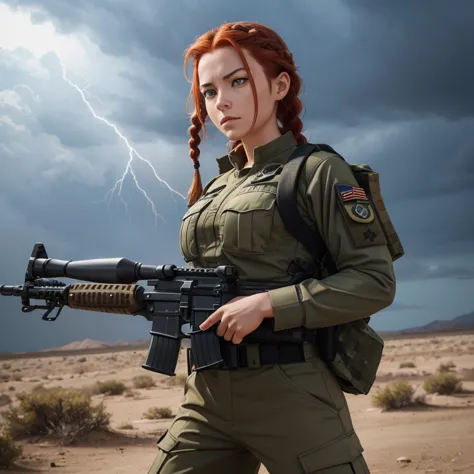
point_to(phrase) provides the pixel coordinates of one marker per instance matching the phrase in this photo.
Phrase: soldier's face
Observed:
(227, 93)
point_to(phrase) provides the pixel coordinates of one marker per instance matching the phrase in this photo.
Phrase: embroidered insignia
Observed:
(350, 193)
(267, 172)
(369, 234)
(361, 211)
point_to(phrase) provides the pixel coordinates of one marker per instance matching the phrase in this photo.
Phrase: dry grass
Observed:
(157, 413)
(443, 383)
(407, 365)
(5, 399)
(65, 414)
(396, 395)
(143, 381)
(179, 379)
(448, 367)
(126, 426)
(9, 451)
(111, 387)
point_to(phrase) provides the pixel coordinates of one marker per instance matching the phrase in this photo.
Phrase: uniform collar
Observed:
(277, 150)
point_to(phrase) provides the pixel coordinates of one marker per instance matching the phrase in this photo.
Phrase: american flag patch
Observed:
(349, 193)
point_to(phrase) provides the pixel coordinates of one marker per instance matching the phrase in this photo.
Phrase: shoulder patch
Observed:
(356, 203)
(350, 193)
(357, 210)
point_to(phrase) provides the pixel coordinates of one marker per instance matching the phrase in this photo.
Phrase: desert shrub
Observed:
(143, 381)
(81, 368)
(9, 451)
(126, 426)
(393, 396)
(5, 399)
(448, 367)
(407, 365)
(443, 383)
(179, 379)
(111, 387)
(67, 414)
(155, 413)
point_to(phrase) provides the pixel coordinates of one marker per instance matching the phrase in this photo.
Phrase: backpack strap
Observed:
(287, 193)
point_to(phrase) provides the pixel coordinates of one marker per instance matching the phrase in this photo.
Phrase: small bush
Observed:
(81, 368)
(143, 381)
(156, 413)
(126, 426)
(9, 451)
(443, 383)
(407, 365)
(67, 414)
(179, 379)
(5, 399)
(111, 387)
(393, 396)
(448, 367)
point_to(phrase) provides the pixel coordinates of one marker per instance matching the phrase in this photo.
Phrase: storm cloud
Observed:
(385, 83)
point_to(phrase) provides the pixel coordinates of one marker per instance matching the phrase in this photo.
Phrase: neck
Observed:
(260, 137)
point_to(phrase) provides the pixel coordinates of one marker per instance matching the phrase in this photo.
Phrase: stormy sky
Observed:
(385, 83)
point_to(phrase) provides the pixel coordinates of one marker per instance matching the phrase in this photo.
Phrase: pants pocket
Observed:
(308, 380)
(342, 455)
(166, 443)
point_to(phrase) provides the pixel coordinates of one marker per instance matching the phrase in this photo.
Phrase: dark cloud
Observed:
(366, 60)
(369, 63)
(385, 83)
(411, 58)
(415, 269)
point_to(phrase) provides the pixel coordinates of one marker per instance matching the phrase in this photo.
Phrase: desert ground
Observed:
(434, 437)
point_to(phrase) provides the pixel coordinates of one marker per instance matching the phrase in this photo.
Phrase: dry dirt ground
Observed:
(436, 438)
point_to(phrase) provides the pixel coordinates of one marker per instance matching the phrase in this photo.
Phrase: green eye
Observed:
(242, 79)
(205, 93)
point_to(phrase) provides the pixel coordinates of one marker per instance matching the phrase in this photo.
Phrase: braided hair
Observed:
(271, 52)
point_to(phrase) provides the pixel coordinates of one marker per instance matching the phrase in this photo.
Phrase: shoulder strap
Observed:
(287, 192)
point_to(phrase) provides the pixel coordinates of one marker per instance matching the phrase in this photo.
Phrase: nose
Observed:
(222, 103)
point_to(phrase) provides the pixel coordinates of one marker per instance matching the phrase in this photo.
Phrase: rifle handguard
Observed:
(107, 298)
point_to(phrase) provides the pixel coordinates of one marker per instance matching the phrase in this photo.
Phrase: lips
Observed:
(226, 119)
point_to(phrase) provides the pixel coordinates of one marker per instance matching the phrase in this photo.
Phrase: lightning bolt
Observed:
(132, 152)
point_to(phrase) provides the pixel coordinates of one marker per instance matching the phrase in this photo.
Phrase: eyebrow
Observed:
(225, 77)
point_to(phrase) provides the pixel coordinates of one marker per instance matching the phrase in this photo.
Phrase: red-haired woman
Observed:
(274, 404)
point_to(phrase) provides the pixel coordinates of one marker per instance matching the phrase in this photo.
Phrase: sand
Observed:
(435, 438)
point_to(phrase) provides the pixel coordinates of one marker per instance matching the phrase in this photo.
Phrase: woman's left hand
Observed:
(240, 316)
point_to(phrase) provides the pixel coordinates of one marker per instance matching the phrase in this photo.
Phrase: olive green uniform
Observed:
(292, 417)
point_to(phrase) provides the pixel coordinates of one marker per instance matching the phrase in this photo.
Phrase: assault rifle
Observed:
(178, 302)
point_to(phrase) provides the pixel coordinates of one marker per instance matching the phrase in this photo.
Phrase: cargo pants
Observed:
(292, 418)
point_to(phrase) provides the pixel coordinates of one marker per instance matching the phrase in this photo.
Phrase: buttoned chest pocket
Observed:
(246, 223)
(188, 231)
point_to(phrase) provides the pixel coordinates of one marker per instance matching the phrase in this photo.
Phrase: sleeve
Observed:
(365, 281)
